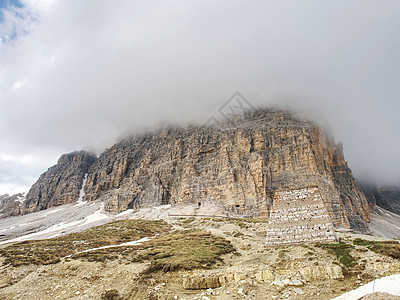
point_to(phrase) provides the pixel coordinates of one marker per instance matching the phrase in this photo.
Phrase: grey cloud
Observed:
(93, 70)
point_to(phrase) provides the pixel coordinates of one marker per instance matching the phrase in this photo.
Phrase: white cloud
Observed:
(18, 84)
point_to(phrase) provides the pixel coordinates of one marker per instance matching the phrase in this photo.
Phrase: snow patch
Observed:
(9, 228)
(52, 211)
(131, 243)
(137, 242)
(389, 284)
(166, 206)
(21, 199)
(60, 228)
(126, 212)
(96, 216)
(54, 228)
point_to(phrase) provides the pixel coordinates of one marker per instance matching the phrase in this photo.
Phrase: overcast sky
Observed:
(79, 74)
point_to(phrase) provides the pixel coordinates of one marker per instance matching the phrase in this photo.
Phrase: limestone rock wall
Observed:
(240, 165)
(60, 184)
(299, 216)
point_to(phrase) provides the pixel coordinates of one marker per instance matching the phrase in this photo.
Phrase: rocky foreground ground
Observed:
(190, 258)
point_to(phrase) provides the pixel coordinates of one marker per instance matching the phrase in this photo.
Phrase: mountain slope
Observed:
(236, 167)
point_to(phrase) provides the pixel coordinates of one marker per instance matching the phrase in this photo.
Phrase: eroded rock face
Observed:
(60, 184)
(239, 165)
(11, 205)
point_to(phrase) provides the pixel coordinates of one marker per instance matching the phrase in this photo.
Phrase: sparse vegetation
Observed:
(188, 249)
(50, 251)
(362, 242)
(350, 263)
(186, 220)
(388, 248)
(147, 271)
(342, 251)
(241, 222)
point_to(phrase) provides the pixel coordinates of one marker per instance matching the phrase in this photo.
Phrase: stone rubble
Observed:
(299, 216)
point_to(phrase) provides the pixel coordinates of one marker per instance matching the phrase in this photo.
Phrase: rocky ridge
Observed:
(11, 205)
(237, 167)
(60, 184)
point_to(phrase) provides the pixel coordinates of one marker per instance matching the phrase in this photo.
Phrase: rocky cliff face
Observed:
(60, 184)
(237, 166)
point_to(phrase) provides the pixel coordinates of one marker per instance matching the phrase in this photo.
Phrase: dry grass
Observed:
(169, 251)
(187, 249)
(241, 222)
(387, 248)
(51, 250)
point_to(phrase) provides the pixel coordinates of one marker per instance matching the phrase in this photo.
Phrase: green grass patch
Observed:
(362, 242)
(52, 250)
(342, 252)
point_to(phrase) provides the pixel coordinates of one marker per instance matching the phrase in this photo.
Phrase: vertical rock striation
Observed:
(238, 166)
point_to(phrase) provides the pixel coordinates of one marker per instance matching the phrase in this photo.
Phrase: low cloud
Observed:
(78, 74)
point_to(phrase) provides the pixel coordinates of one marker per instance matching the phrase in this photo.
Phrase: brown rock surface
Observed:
(240, 165)
(237, 166)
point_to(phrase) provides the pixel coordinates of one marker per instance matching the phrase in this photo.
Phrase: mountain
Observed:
(61, 183)
(111, 227)
(237, 167)
(11, 205)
